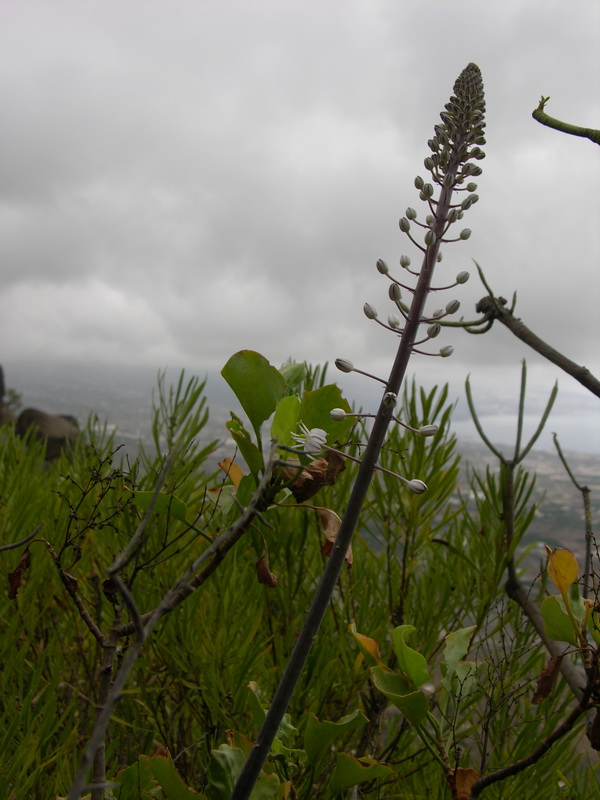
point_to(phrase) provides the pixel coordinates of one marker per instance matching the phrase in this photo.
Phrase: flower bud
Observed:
(394, 293)
(411, 213)
(465, 233)
(429, 220)
(394, 321)
(419, 182)
(462, 277)
(452, 307)
(440, 256)
(471, 187)
(446, 351)
(404, 225)
(430, 238)
(337, 414)
(390, 399)
(404, 261)
(370, 311)
(344, 365)
(453, 215)
(439, 312)
(417, 486)
(434, 330)
(429, 163)
(428, 190)
(382, 267)
(428, 430)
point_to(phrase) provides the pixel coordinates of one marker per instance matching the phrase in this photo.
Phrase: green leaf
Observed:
(170, 781)
(165, 504)
(224, 767)
(557, 624)
(250, 452)
(459, 674)
(350, 771)
(223, 771)
(285, 421)
(136, 780)
(319, 736)
(457, 647)
(315, 408)
(412, 664)
(257, 385)
(294, 374)
(413, 705)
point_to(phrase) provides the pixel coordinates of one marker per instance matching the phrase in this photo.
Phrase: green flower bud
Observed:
(439, 312)
(452, 307)
(428, 430)
(419, 182)
(337, 414)
(428, 190)
(404, 225)
(382, 267)
(462, 277)
(394, 293)
(440, 256)
(429, 219)
(429, 163)
(404, 261)
(471, 187)
(417, 486)
(430, 238)
(344, 365)
(394, 321)
(411, 213)
(370, 311)
(464, 234)
(434, 330)
(453, 215)
(446, 351)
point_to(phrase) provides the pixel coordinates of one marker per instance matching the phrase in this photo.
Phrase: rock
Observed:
(57, 430)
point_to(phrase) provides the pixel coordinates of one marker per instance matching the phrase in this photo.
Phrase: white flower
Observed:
(310, 441)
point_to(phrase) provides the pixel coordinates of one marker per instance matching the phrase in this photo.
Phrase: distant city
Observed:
(122, 398)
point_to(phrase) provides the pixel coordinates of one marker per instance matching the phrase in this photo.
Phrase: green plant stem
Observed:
(564, 127)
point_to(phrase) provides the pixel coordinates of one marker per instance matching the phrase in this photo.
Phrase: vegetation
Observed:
(155, 628)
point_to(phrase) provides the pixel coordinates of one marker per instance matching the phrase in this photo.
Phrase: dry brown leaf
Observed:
(264, 574)
(16, 576)
(320, 472)
(464, 778)
(547, 680)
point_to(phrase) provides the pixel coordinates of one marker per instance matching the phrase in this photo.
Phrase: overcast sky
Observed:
(182, 180)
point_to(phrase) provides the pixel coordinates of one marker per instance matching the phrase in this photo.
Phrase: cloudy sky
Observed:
(181, 180)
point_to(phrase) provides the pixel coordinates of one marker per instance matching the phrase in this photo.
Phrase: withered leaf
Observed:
(465, 778)
(264, 574)
(16, 576)
(547, 680)
(331, 525)
(69, 581)
(320, 472)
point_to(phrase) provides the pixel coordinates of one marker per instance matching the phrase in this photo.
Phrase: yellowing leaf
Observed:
(331, 525)
(562, 568)
(233, 471)
(369, 647)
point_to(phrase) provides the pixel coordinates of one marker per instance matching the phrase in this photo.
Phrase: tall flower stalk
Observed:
(454, 149)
